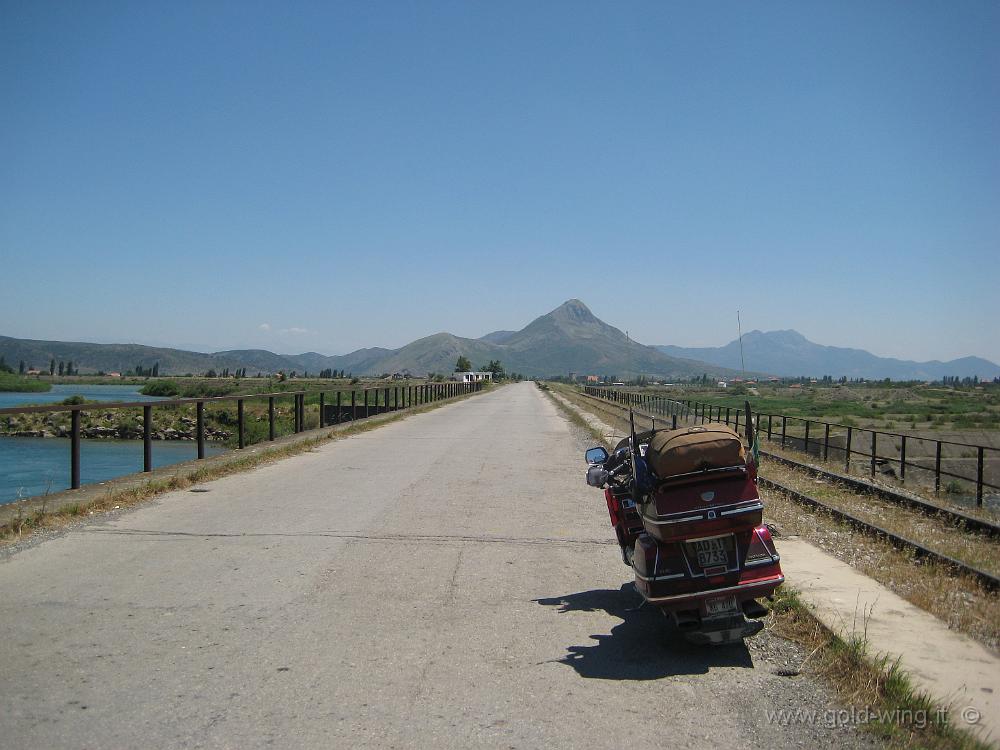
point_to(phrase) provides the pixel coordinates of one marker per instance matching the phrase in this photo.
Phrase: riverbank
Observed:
(10, 383)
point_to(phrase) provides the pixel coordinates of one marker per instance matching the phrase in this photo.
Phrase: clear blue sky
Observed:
(359, 174)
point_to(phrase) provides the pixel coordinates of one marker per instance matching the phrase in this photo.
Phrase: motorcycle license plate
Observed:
(722, 605)
(711, 552)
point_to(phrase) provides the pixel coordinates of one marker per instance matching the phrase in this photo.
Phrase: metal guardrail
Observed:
(699, 412)
(393, 398)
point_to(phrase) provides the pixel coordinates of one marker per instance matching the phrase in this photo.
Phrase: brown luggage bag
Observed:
(692, 449)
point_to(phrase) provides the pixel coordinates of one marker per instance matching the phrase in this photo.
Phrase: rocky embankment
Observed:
(107, 426)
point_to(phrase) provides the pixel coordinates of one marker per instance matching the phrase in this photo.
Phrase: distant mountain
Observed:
(790, 353)
(568, 339)
(497, 337)
(117, 357)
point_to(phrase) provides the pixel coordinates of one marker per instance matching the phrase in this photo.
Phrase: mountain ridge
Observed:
(787, 352)
(567, 339)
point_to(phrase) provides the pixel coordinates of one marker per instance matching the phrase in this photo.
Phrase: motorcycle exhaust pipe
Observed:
(687, 620)
(754, 609)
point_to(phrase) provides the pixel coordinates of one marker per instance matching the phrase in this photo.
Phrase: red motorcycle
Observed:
(685, 509)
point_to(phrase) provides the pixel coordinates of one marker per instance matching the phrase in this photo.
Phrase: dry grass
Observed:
(867, 682)
(116, 498)
(977, 550)
(942, 500)
(958, 600)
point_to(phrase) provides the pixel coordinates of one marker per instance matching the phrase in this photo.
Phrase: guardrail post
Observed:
(270, 417)
(937, 467)
(147, 438)
(337, 419)
(979, 478)
(353, 404)
(807, 436)
(874, 450)
(847, 452)
(673, 422)
(737, 427)
(826, 442)
(902, 459)
(322, 405)
(784, 426)
(74, 450)
(240, 423)
(769, 428)
(386, 404)
(199, 410)
(727, 414)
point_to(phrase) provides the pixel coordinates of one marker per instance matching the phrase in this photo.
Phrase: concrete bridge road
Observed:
(443, 581)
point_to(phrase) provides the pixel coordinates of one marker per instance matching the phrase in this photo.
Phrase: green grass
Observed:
(916, 406)
(17, 384)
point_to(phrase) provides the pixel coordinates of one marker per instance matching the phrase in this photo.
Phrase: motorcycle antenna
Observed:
(634, 443)
(739, 329)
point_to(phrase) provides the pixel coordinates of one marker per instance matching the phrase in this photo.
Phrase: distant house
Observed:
(593, 379)
(472, 377)
(33, 371)
(723, 384)
(114, 374)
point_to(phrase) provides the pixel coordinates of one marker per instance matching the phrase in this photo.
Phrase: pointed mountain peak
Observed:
(574, 309)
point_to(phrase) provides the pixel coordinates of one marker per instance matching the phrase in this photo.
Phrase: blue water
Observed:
(64, 391)
(35, 466)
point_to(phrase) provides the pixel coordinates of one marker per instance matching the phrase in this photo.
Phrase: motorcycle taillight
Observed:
(761, 548)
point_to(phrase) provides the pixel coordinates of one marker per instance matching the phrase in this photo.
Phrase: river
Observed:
(36, 466)
(65, 390)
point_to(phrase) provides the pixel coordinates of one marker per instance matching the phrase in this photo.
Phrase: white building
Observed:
(471, 377)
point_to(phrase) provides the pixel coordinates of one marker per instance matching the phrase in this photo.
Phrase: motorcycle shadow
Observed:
(644, 646)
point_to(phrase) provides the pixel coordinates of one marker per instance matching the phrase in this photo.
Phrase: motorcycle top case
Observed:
(714, 506)
(692, 449)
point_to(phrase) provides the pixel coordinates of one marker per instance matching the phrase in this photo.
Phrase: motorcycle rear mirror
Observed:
(596, 455)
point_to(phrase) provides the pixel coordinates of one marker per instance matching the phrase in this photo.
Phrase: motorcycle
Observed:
(689, 520)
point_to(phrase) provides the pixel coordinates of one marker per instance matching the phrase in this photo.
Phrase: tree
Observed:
(156, 370)
(69, 368)
(60, 369)
(52, 366)
(496, 368)
(20, 369)
(463, 364)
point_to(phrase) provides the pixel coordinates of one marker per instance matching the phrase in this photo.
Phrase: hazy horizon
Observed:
(195, 348)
